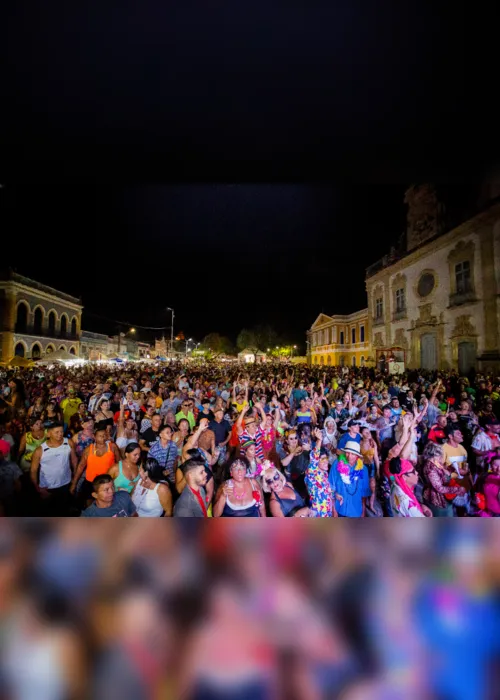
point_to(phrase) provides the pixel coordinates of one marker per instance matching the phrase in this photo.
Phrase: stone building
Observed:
(340, 340)
(36, 320)
(436, 302)
(93, 346)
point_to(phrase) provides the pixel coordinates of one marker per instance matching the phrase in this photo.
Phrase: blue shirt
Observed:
(347, 438)
(166, 457)
(122, 507)
(352, 494)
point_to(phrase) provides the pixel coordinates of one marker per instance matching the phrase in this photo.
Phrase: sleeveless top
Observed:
(99, 465)
(82, 444)
(233, 510)
(32, 444)
(55, 469)
(121, 481)
(289, 506)
(304, 417)
(147, 502)
(368, 454)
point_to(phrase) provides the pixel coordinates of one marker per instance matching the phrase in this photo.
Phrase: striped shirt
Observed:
(257, 438)
(165, 456)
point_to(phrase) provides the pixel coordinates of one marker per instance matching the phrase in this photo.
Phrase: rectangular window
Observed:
(462, 277)
(353, 335)
(379, 308)
(400, 300)
(341, 337)
(362, 334)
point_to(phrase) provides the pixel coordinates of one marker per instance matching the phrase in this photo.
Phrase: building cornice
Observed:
(437, 243)
(56, 297)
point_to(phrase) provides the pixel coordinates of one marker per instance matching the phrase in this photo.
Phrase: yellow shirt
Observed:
(239, 406)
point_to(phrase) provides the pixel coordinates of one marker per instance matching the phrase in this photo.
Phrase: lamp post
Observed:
(187, 343)
(171, 332)
(294, 348)
(123, 335)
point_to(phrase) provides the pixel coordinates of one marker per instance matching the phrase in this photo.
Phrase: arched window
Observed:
(62, 347)
(73, 327)
(72, 350)
(52, 323)
(322, 360)
(19, 351)
(315, 359)
(329, 360)
(22, 318)
(38, 321)
(36, 352)
(49, 349)
(362, 361)
(64, 326)
(342, 360)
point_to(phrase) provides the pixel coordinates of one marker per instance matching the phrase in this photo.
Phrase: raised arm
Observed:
(239, 422)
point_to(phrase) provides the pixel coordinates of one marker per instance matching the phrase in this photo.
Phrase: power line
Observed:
(126, 323)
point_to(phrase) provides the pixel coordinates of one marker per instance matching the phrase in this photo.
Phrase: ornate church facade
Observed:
(435, 302)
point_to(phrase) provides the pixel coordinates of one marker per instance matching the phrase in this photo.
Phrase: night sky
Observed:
(324, 112)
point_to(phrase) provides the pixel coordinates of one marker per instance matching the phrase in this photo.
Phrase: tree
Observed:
(247, 339)
(217, 344)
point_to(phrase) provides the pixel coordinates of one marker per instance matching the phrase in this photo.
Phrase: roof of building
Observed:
(12, 276)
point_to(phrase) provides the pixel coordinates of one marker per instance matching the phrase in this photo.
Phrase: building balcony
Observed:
(460, 298)
(378, 321)
(399, 315)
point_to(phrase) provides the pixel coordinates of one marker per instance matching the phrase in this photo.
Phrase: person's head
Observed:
(493, 426)
(150, 410)
(103, 490)
(219, 414)
(103, 405)
(387, 411)
(395, 403)
(323, 461)
(185, 406)
(494, 467)
(100, 434)
(272, 479)
(464, 406)
(269, 420)
(250, 424)
(195, 473)
(133, 452)
(166, 433)
(55, 431)
(352, 452)
(156, 421)
(151, 471)
(452, 416)
(36, 424)
(353, 426)
(292, 440)
(454, 435)
(205, 404)
(238, 470)
(249, 449)
(406, 470)
(303, 404)
(330, 425)
(433, 452)
(442, 422)
(129, 396)
(365, 433)
(184, 426)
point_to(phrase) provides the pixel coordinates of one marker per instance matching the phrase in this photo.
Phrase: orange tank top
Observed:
(99, 465)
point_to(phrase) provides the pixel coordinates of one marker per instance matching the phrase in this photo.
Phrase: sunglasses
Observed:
(275, 478)
(413, 471)
(293, 438)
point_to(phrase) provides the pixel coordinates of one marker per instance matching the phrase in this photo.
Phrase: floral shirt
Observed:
(401, 505)
(318, 488)
(438, 479)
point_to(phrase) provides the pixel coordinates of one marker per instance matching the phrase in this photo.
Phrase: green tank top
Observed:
(121, 481)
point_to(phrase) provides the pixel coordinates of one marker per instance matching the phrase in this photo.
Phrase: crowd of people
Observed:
(213, 439)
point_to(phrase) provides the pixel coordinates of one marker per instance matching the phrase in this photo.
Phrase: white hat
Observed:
(352, 446)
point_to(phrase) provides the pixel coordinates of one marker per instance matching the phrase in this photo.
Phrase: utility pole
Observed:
(171, 332)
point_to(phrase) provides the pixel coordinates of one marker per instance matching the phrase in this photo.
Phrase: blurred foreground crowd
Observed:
(220, 611)
(212, 439)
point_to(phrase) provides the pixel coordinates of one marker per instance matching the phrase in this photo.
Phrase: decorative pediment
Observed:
(378, 341)
(321, 321)
(426, 318)
(464, 250)
(400, 339)
(463, 327)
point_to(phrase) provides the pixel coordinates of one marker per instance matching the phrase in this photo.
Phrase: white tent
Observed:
(57, 356)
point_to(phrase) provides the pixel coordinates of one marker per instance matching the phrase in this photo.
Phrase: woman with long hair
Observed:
(285, 501)
(126, 472)
(151, 495)
(438, 482)
(32, 438)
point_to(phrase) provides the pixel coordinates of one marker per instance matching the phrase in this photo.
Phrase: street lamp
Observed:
(294, 348)
(171, 332)
(187, 343)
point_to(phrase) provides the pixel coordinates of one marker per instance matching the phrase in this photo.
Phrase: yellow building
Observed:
(36, 320)
(437, 300)
(340, 340)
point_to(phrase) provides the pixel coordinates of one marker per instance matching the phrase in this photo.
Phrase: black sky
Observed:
(363, 97)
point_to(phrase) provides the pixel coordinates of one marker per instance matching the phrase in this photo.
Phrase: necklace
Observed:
(239, 497)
